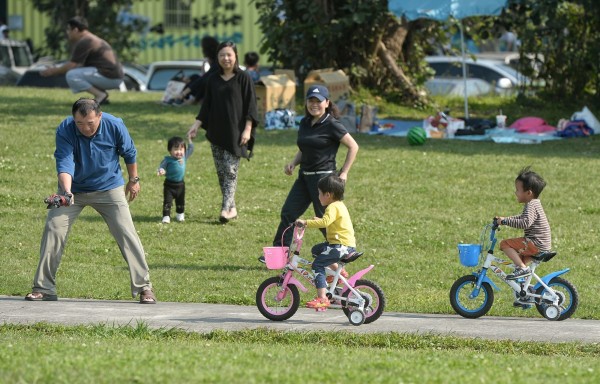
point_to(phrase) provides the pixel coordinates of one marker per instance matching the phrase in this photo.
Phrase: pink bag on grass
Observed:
(532, 125)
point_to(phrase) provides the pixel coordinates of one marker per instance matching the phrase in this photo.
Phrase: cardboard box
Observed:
(289, 72)
(275, 92)
(336, 81)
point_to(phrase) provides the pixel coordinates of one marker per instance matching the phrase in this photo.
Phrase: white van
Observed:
(15, 59)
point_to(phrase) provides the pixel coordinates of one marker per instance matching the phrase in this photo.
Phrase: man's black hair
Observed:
(85, 106)
(251, 59)
(79, 23)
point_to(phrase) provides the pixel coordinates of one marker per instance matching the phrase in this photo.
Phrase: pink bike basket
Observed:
(276, 257)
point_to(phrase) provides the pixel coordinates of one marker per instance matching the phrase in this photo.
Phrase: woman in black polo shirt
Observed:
(319, 138)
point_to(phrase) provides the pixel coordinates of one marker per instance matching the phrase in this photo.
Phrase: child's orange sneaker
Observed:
(318, 303)
(344, 273)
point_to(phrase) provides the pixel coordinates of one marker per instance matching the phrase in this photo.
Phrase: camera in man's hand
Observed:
(57, 201)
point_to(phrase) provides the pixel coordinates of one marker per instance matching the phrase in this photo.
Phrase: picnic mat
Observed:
(400, 128)
(395, 127)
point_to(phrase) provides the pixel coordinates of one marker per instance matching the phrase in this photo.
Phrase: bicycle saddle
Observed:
(544, 256)
(351, 257)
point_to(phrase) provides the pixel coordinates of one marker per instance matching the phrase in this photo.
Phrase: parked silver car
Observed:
(501, 78)
(161, 72)
(15, 59)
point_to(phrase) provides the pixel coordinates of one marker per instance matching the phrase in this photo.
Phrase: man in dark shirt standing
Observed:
(93, 66)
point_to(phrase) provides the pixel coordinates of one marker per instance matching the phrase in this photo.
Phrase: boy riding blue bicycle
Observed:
(555, 298)
(340, 235)
(528, 187)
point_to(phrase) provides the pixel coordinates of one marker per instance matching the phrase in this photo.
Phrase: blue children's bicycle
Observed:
(472, 296)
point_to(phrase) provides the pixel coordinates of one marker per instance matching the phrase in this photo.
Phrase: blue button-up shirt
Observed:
(93, 162)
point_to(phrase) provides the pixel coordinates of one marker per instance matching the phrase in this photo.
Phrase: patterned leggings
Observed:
(227, 165)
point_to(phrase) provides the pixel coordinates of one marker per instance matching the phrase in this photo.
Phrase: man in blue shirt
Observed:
(88, 147)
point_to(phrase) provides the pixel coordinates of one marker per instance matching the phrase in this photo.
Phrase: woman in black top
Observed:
(229, 115)
(319, 139)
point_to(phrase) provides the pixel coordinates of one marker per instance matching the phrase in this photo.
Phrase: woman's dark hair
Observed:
(175, 142)
(85, 106)
(332, 109)
(332, 184)
(231, 45)
(78, 22)
(531, 181)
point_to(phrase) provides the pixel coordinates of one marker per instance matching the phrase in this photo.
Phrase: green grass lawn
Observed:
(410, 207)
(102, 354)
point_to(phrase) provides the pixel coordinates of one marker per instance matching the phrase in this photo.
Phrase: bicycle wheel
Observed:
(465, 306)
(375, 300)
(568, 298)
(266, 300)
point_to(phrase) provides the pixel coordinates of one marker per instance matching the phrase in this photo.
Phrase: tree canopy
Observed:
(560, 42)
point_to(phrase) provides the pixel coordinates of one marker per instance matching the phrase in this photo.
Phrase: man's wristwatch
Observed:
(134, 180)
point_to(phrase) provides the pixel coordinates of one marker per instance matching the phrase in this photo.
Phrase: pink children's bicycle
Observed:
(278, 297)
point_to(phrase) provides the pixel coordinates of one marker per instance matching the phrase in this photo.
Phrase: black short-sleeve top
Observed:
(319, 143)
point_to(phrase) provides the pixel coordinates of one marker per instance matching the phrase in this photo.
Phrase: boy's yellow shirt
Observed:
(338, 224)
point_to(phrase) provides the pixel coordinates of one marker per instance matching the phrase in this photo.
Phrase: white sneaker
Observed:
(166, 220)
(180, 217)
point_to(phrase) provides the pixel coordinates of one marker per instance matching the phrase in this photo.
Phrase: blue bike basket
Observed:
(469, 254)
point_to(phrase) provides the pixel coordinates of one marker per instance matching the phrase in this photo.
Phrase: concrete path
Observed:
(200, 317)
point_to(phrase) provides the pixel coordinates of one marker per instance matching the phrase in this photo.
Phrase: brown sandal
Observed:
(40, 296)
(147, 297)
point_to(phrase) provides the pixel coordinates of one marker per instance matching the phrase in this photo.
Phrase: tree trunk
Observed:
(389, 51)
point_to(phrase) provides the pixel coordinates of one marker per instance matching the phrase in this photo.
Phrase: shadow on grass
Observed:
(197, 267)
(92, 216)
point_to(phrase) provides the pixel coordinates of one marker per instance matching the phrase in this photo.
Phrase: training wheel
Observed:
(552, 312)
(357, 317)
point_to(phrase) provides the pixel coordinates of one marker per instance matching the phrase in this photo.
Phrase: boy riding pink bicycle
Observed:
(362, 301)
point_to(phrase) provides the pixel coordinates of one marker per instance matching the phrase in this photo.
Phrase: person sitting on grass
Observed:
(528, 187)
(340, 235)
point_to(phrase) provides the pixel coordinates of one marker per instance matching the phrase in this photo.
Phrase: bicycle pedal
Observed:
(522, 305)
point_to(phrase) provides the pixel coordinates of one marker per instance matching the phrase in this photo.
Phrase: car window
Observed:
(484, 73)
(21, 56)
(448, 70)
(162, 76)
(5, 56)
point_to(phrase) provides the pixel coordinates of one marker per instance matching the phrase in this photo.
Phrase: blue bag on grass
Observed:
(575, 128)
